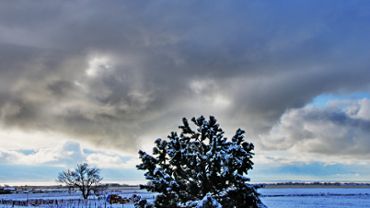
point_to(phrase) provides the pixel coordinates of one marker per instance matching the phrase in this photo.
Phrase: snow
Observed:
(316, 197)
(61, 199)
(273, 197)
(208, 200)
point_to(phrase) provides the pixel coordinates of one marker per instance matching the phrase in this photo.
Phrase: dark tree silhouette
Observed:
(83, 177)
(200, 168)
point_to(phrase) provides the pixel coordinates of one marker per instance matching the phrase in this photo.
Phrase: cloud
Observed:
(120, 74)
(314, 171)
(339, 131)
(109, 160)
(67, 154)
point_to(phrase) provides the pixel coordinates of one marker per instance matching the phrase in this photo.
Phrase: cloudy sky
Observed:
(96, 81)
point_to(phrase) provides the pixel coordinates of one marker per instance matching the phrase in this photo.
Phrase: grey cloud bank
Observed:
(340, 129)
(121, 73)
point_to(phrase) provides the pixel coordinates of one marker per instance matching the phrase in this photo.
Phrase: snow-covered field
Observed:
(61, 199)
(272, 197)
(316, 197)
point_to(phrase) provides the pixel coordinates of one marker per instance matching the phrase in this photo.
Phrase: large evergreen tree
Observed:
(200, 168)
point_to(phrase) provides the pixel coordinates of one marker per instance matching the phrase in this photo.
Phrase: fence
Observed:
(62, 203)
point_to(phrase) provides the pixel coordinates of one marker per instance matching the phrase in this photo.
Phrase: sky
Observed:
(95, 81)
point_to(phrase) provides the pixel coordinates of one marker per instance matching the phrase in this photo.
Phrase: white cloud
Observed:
(109, 160)
(360, 109)
(97, 65)
(334, 133)
(13, 138)
(36, 148)
(207, 91)
(202, 86)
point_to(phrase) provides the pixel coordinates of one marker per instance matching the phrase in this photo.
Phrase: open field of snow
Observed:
(316, 197)
(61, 199)
(272, 197)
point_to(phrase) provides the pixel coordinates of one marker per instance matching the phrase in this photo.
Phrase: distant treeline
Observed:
(2, 191)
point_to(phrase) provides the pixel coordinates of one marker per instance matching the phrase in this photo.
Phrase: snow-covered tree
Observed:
(200, 168)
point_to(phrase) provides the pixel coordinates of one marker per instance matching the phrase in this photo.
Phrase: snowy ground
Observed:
(316, 197)
(273, 198)
(68, 199)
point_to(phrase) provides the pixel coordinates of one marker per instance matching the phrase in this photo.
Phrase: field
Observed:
(60, 197)
(272, 197)
(316, 197)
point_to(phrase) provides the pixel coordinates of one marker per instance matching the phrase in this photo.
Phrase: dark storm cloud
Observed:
(114, 72)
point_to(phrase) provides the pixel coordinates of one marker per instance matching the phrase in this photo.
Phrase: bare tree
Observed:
(83, 177)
